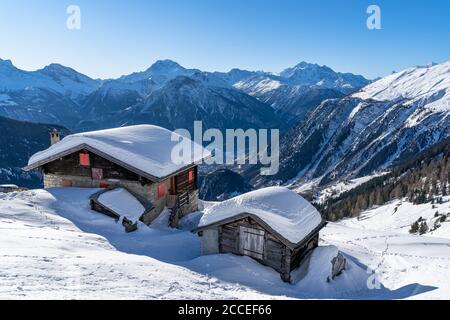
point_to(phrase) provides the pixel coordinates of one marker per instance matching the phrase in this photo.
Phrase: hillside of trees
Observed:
(423, 178)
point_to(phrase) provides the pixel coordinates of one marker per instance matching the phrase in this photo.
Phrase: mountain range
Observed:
(383, 123)
(335, 126)
(170, 95)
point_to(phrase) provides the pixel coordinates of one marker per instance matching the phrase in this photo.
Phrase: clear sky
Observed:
(119, 37)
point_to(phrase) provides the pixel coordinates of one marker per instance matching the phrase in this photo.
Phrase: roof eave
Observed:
(87, 147)
(280, 237)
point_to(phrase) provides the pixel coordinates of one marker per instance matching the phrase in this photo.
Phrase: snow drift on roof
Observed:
(12, 186)
(144, 147)
(123, 203)
(282, 209)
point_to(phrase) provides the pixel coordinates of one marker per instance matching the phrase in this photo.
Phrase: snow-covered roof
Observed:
(146, 148)
(123, 203)
(11, 186)
(283, 210)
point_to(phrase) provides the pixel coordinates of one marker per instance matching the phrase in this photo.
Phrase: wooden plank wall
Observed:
(299, 253)
(229, 239)
(182, 183)
(275, 252)
(70, 165)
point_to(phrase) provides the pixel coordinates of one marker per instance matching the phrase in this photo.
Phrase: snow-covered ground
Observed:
(333, 190)
(380, 239)
(53, 246)
(338, 188)
(44, 255)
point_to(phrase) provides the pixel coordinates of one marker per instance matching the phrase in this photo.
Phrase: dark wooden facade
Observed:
(185, 181)
(70, 166)
(248, 236)
(85, 168)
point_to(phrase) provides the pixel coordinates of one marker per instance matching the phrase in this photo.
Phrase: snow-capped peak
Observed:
(165, 67)
(302, 67)
(69, 77)
(159, 72)
(309, 74)
(428, 85)
(56, 67)
(410, 83)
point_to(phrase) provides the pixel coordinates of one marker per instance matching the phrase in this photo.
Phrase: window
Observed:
(161, 190)
(191, 175)
(84, 160)
(251, 242)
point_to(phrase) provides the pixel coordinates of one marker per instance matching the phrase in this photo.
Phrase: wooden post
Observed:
(286, 265)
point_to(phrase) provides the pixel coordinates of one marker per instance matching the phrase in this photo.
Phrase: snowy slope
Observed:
(380, 240)
(389, 120)
(335, 189)
(45, 256)
(399, 215)
(427, 87)
(409, 84)
(53, 246)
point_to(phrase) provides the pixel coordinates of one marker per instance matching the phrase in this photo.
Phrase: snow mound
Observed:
(284, 210)
(319, 282)
(147, 148)
(122, 202)
(12, 186)
(317, 267)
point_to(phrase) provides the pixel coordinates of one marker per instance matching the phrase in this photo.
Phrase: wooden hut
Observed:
(138, 158)
(275, 226)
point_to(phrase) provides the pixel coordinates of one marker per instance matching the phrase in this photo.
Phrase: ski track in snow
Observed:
(53, 246)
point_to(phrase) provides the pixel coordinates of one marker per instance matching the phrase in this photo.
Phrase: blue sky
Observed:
(119, 37)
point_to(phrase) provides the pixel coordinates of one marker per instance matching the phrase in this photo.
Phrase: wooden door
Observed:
(251, 242)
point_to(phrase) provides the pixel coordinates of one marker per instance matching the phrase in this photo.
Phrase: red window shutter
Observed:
(191, 176)
(84, 159)
(161, 190)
